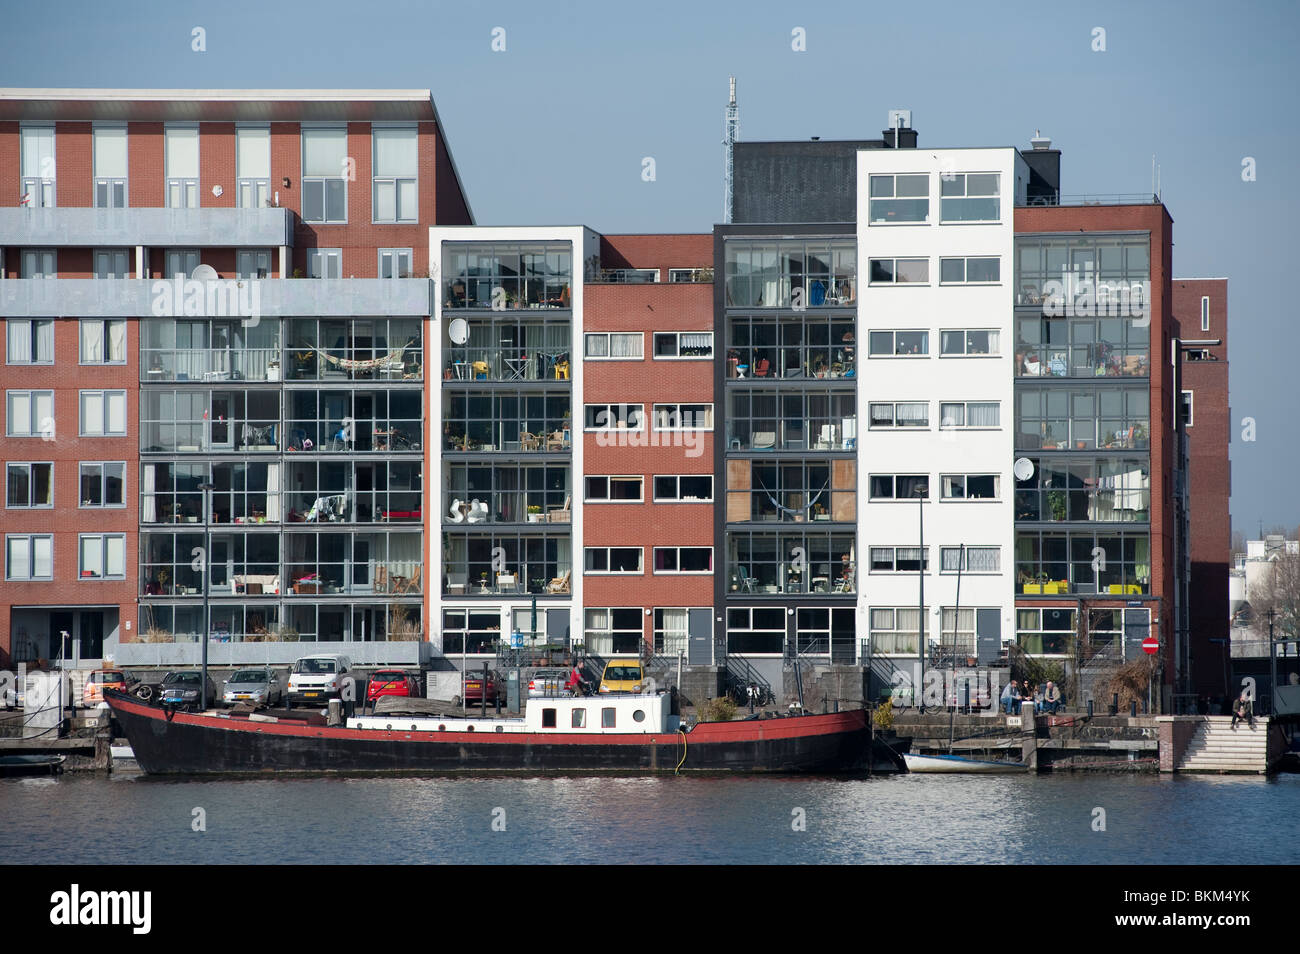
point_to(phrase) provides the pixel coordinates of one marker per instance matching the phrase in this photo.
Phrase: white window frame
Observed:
(36, 419)
(639, 479)
(1205, 312)
(677, 339)
(678, 560)
(33, 326)
(894, 559)
(965, 484)
(30, 571)
(965, 341)
(895, 426)
(184, 188)
(894, 352)
(31, 483)
(893, 497)
(662, 634)
(322, 257)
(1188, 402)
(106, 395)
(323, 180)
(965, 269)
(608, 337)
(42, 189)
(965, 194)
(252, 192)
(610, 411)
(395, 257)
(945, 553)
(104, 539)
(894, 196)
(639, 571)
(679, 276)
(377, 181)
(965, 424)
(111, 184)
(894, 280)
(675, 411)
(678, 479)
(101, 464)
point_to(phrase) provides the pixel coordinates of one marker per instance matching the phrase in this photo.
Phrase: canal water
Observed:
(886, 820)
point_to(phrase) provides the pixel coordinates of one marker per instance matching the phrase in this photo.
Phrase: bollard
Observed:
(1133, 709)
(966, 686)
(335, 716)
(1089, 708)
(1114, 703)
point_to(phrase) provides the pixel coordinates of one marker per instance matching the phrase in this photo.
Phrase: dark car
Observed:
(474, 691)
(391, 682)
(181, 690)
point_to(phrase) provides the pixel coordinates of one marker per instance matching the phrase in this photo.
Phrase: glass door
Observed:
(221, 427)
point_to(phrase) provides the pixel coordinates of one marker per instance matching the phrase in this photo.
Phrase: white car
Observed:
(314, 680)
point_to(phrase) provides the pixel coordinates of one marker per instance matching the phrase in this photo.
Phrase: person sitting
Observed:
(576, 685)
(1052, 698)
(1244, 710)
(1010, 698)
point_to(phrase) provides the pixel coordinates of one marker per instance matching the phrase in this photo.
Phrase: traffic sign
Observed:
(1151, 645)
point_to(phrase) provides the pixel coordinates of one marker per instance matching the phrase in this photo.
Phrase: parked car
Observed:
(261, 687)
(548, 682)
(474, 691)
(182, 690)
(391, 682)
(622, 675)
(100, 679)
(317, 679)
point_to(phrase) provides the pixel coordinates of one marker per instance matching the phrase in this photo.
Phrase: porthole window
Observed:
(638, 715)
(469, 728)
(501, 728)
(442, 728)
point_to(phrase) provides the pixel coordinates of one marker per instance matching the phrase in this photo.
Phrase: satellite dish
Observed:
(204, 273)
(217, 191)
(1023, 469)
(458, 331)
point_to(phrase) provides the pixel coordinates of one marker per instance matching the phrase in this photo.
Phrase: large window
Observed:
(185, 421)
(898, 559)
(683, 344)
(618, 345)
(324, 174)
(615, 630)
(482, 421)
(472, 632)
(613, 560)
(102, 556)
(180, 261)
(969, 415)
(396, 195)
(1114, 261)
(683, 560)
(39, 263)
(507, 493)
(347, 562)
(29, 341)
(969, 271)
(506, 276)
(970, 486)
(103, 340)
(29, 557)
(970, 197)
(484, 563)
(613, 417)
(29, 413)
(803, 345)
(756, 631)
(110, 167)
(112, 263)
(615, 489)
(1045, 632)
(683, 488)
(1081, 346)
(899, 486)
(899, 199)
(895, 630)
(895, 343)
(902, 414)
(810, 418)
(38, 170)
(517, 344)
(672, 630)
(791, 491)
(103, 414)
(970, 559)
(1095, 490)
(356, 349)
(791, 561)
(253, 263)
(102, 484)
(683, 417)
(29, 485)
(1054, 562)
(350, 421)
(900, 271)
(969, 342)
(182, 166)
(1108, 418)
(253, 166)
(811, 273)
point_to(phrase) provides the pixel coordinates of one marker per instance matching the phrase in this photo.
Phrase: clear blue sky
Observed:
(553, 130)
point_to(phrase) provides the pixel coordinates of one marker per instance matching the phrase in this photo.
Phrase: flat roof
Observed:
(216, 105)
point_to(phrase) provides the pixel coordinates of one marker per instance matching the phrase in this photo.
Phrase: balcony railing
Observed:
(769, 363)
(1097, 198)
(1086, 504)
(1062, 434)
(1084, 362)
(554, 437)
(839, 434)
(512, 506)
(515, 579)
(782, 578)
(505, 364)
(169, 365)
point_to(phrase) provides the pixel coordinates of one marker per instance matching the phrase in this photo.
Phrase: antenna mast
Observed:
(731, 132)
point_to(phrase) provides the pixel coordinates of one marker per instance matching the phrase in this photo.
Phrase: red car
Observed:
(391, 682)
(474, 688)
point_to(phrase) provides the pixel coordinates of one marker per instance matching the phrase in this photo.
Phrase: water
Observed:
(906, 819)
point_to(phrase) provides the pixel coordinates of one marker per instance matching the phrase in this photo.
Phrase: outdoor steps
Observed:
(1216, 747)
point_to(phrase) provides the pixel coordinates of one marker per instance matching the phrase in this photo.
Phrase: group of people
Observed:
(1046, 698)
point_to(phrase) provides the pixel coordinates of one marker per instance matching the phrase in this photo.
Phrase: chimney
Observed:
(900, 126)
(1044, 186)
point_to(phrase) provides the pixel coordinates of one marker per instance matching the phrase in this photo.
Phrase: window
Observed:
(253, 166)
(1100, 418)
(39, 263)
(683, 417)
(29, 557)
(898, 559)
(182, 166)
(325, 263)
(969, 271)
(970, 486)
(899, 486)
(103, 484)
(672, 630)
(814, 273)
(112, 263)
(970, 197)
(688, 488)
(683, 344)
(1045, 631)
(900, 271)
(110, 167)
(481, 276)
(609, 631)
(976, 559)
(29, 341)
(608, 717)
(805, 418)
(29, 413)
(969, 342)
(614, 346)
(103, 556)
(614, 489)
(680, 275)
(29, 485)
(181, 261)
(755, 631)
(895, 630)
(253, 263)
(577, 718)
(893, 343)
(1205, 312)
(1187, 409)
(902, 414)
(38, 166)
(968, 414)
(612, 559)
(791, 490)
(957, 629)
(396, 174)
(613, 417)
(395, 263)
(1109, 489)
(899, 198)
(1056, 562)
(683, 559)
(324, 170)
(103, 413)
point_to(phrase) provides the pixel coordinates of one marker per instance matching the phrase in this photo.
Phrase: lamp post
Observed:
(206, 487)
(921, 490)
(1272, 665)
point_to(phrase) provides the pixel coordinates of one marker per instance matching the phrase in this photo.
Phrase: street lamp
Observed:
(206, 487)
(921, 490)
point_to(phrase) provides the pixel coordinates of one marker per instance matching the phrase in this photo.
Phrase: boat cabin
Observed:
(622, 714)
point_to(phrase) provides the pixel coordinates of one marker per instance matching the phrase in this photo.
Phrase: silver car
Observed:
(261, 687)
(548, 682)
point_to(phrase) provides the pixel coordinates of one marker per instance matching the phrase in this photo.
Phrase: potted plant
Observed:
(482, 579)
(1056, 501)
(819, 512)
(273, 370)
(534, 513)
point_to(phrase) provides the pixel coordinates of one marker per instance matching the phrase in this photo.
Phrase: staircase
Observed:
(738, 675)
(1216, 747)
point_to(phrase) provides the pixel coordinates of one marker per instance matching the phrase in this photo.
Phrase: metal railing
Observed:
(738, 676)
(1100, 198)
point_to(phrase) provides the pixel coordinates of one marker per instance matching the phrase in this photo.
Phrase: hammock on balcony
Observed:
(369, 364)
(795, 510)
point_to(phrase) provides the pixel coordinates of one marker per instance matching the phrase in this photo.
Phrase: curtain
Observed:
(273, 493)
(395, 151)
(20, 340)
(117, 341)
(182, 152)
(92, 341)
(916, 415)
(148, 507)
(116, 412)
(44, 341)
(983, 559)
(115, 547)
(952, 415)
(983, 414)
(951, 559)
(1142, 556)
(323, 151)
(625, 345)
(696, 340)
(253, 153)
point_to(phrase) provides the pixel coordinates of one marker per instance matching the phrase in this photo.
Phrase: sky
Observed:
(554, 128)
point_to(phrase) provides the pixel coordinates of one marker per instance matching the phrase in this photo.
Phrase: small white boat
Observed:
(950, 764)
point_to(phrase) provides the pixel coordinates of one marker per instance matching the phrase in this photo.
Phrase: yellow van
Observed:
(622, 675)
